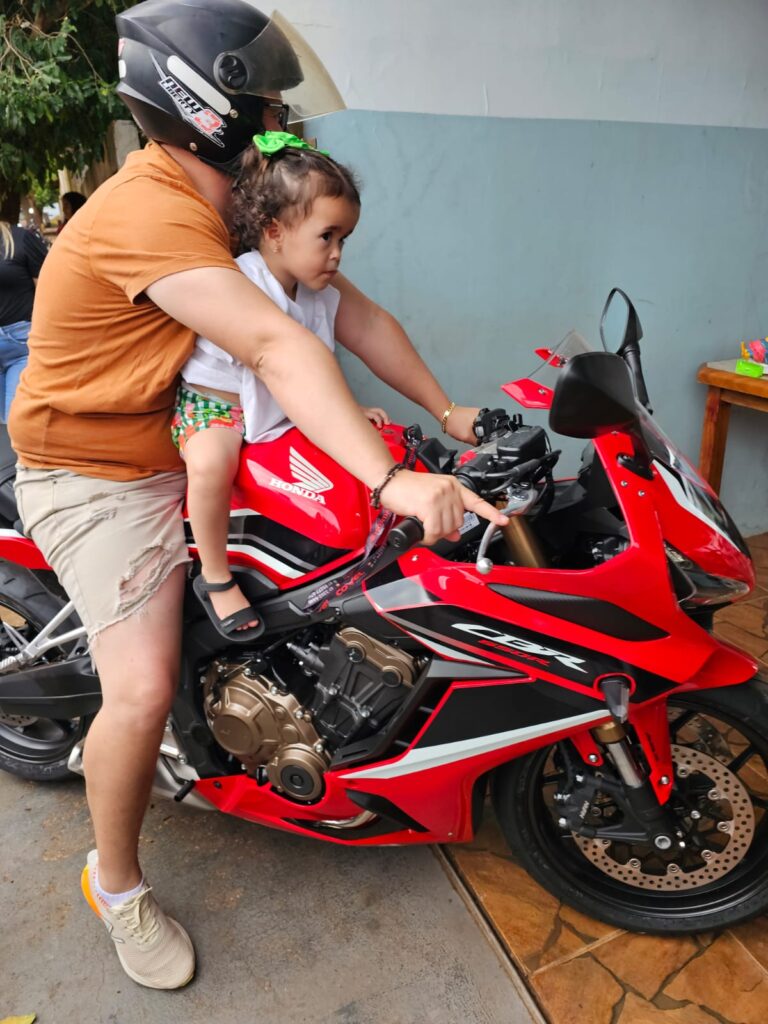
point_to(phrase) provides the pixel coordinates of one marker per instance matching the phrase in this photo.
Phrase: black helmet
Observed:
(197, 73)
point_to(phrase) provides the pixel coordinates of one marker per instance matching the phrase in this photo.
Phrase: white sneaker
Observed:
(153, 948)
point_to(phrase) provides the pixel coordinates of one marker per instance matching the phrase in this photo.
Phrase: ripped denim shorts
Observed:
(111, 543)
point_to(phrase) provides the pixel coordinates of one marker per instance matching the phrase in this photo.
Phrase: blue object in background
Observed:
(13, 359)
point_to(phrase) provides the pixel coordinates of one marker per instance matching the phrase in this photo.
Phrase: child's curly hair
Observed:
(283, 187)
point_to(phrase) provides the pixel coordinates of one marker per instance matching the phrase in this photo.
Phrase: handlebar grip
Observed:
(407, 533)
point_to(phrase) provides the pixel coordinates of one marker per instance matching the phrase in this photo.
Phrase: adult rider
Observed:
(144, 268)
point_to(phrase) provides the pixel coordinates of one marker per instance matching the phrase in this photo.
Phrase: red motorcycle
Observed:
(565, 661)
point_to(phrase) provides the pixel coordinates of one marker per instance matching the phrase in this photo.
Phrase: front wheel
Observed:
(31, 747)
(720, 798)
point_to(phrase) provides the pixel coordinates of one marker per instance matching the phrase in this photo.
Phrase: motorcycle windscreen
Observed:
(537, 389)
(690, 491)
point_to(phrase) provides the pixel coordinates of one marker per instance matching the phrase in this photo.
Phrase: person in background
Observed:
(70, 204)
(21, 257)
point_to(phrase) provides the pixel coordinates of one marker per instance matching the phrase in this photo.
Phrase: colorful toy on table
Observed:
(754, 361)
(757, 350)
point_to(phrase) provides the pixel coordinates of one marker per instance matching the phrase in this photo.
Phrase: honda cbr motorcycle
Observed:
(564, 663)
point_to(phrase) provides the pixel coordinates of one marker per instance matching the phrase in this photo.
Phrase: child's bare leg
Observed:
(212, 456)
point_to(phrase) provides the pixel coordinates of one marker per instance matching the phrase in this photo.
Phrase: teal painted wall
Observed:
(487, 238)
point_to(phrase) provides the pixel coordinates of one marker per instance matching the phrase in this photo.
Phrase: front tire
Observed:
(721, 733)
(32, 748)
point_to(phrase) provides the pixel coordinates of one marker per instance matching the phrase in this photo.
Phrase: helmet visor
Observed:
(279, 63)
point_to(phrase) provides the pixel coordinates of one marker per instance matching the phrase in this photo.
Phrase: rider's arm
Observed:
(377, 338)
(304, 377)
(298, 369)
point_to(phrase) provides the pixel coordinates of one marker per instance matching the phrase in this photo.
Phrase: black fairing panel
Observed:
(602, 616)
(474, 711)
(559, 657)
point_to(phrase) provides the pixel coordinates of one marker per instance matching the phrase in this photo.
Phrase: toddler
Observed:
(295, 207)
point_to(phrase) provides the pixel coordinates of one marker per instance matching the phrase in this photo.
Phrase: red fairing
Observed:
(529, 393)
(438, 798)
(21, 550)
(696, 539)
(295, 483)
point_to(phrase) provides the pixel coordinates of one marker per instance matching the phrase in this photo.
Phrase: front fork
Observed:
(641, 792)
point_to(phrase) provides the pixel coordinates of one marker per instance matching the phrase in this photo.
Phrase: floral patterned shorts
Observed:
(195, 412)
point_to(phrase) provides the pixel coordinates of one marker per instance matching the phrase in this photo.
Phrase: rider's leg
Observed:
(119, 551)
(212, 457)
(138, 662)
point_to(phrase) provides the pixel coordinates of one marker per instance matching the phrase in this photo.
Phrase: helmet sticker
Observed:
(199, 86)
(202, 119)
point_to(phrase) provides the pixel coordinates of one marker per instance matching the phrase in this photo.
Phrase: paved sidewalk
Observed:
(288, 931)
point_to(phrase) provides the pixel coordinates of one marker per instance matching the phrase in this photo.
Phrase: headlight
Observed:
(695, 588)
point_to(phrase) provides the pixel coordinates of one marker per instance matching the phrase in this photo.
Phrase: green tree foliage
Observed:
(58, 71)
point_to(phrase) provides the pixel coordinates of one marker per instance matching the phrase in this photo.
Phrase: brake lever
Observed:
(518, 504)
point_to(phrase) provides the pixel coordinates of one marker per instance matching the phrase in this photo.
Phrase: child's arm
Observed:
(378, 417)
(377, 338)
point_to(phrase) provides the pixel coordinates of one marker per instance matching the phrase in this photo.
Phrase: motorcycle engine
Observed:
(338, 689)
(264, 728)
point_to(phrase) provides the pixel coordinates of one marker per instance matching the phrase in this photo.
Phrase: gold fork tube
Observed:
(524, 549)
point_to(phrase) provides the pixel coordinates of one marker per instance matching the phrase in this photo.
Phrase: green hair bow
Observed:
(270, 143)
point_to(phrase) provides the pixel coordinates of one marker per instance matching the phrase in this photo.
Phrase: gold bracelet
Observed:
(446, 414)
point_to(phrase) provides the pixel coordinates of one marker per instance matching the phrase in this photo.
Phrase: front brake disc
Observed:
(716, 841)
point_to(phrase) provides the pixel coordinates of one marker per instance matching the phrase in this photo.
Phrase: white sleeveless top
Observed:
(212, 367)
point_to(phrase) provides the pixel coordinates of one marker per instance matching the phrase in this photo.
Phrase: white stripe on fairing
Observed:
(258, 554)
(678, 493)
(236, 512)
(421, 758)
(261, 556)
(220, 103)
(447, 652)
(12, 533)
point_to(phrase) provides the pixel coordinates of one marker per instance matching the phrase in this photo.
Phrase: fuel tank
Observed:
(295, 510)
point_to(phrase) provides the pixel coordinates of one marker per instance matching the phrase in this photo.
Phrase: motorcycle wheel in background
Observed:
(32, 748)
(720, 800)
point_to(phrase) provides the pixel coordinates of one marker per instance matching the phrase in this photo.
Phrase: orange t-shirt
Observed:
(98, 392)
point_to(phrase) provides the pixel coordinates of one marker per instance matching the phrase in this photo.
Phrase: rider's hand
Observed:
(459, 425)
(438, 500)
(378, 417)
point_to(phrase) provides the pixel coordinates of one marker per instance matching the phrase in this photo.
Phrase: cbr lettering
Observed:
(519, 644)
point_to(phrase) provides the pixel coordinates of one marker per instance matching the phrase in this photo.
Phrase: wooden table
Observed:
(726, 388)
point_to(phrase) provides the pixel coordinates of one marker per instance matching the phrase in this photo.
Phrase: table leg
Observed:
(714, 432)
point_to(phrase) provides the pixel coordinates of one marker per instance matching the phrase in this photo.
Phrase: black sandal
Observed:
(227, 627)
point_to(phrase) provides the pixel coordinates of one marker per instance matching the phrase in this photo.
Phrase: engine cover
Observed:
(264, 728)
(362, 683)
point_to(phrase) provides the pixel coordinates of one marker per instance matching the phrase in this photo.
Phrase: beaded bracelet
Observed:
(376, 495)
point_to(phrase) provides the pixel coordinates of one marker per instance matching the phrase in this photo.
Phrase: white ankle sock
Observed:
(113, 899)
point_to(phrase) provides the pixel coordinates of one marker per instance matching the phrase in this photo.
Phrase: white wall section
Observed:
(699, 62)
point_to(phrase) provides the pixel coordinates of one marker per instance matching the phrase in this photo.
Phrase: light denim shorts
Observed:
(111, 543)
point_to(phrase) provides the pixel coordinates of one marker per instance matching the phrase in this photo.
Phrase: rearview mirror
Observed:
(619, 323)
(593, 396)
